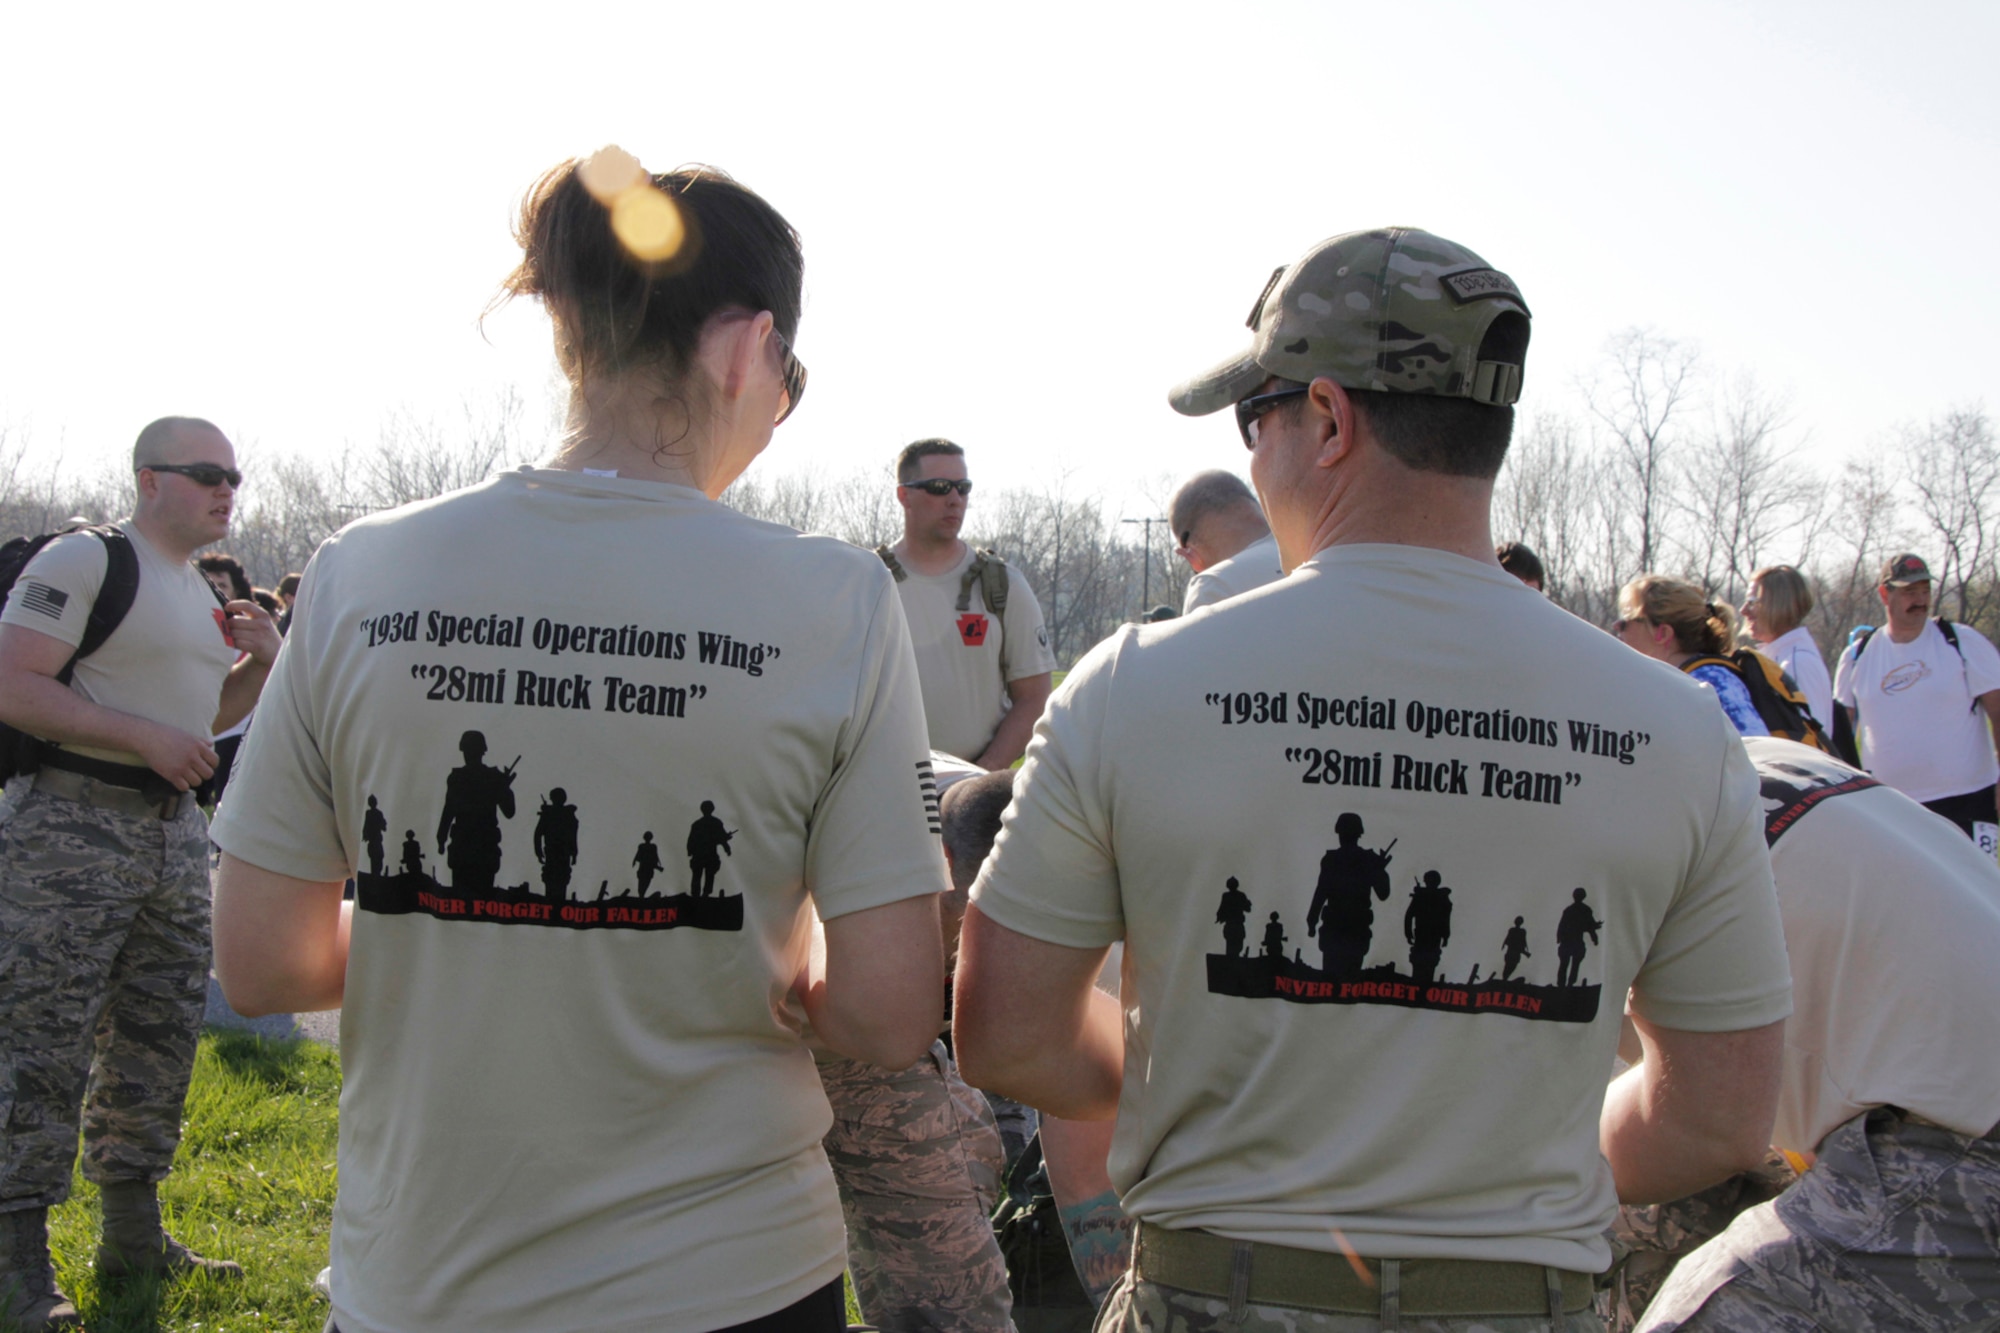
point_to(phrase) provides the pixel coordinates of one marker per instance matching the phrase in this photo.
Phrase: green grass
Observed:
(253, 1182)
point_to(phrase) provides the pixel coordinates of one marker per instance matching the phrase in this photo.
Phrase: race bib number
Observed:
(1987, 836)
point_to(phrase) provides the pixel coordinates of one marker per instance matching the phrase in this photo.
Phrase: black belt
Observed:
(148, 788)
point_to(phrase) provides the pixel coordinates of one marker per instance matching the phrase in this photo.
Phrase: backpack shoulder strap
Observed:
(993, 576)
(889, 559)
(1711, 660)
(114, 596)
(1950, 632)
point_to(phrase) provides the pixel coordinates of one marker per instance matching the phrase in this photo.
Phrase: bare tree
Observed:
(1548, 496)
(1639, 398)
(1743, 490)
(1956, 480)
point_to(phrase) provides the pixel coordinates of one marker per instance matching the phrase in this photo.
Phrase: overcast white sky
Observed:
(1022, 223)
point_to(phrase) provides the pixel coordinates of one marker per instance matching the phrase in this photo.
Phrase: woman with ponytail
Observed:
(1676, 622)
(576, 1098)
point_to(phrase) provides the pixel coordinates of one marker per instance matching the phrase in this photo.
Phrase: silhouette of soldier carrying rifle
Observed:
(475, 796)
(706, 838)
(1427, 927)
(647, 858)
(1340, 906)
(374, 827)
(1577, 921)
(1514, 948)
(555, 843)
(1232, 913)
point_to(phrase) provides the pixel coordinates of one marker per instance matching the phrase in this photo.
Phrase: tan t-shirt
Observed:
(1314, 814)
(1892, 920)
(965, 658)
(575, 1090)
(1252, 567)
(166, 661)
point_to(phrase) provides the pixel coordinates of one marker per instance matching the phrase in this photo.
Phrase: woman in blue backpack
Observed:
(1676, 622)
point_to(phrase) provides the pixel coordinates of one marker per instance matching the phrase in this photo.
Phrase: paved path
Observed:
(323, 1027)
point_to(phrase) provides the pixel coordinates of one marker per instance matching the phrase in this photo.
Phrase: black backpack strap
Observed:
(889, 559)
(114, 597)
(1950, 632)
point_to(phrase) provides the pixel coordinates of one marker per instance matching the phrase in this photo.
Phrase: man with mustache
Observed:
(1923, 694)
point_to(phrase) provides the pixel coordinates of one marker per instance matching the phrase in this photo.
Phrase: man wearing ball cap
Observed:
(1324, 1144)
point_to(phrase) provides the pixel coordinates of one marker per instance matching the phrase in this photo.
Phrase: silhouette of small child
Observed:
(1274, 939)
(413, 853)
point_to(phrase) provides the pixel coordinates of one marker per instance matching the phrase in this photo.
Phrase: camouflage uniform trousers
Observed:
(1136, 1306)
(1897, 1225)
(104, 958)
(918, 1163)
(1651, 1238)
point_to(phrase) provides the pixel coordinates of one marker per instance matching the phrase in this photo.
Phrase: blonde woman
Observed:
(1675, 622)
(1774, 613)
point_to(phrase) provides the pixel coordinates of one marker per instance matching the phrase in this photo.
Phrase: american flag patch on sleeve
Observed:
(44, 599)
(927, 788)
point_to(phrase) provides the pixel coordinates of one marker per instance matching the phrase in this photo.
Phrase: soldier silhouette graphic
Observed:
(1341, 908)
(1514, 948)
(476, 795)
(374, 827)
(555, 843)
(647, 859)
(1274, 939)
(708, 842)
(1232, 913)
(1577, 921)
(413, 853)
(1427, 927)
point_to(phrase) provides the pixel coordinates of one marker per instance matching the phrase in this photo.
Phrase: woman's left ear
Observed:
(741, 342)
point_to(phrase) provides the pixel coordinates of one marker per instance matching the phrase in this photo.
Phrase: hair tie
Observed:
(645, 221)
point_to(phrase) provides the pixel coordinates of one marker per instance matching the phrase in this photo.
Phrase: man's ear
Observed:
(1331, 412)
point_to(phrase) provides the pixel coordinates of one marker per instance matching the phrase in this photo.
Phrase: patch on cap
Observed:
(1904, 570)
(1474, 283)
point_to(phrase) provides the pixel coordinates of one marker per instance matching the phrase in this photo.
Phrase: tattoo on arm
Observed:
(1100, 1242)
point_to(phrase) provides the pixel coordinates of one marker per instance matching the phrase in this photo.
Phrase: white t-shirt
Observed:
(1252, 567)
(1892, 921)
(1798, 655)
(578, 1104)
(1922, 731)
(166, 661)
(1191, 781)
(965, 658)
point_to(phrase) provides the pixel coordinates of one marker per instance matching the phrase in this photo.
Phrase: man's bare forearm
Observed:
(43, 706)
(281, 944)
(1697, 1109)
(240, 692)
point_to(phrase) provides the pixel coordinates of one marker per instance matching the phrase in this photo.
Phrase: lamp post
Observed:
(1146, 577)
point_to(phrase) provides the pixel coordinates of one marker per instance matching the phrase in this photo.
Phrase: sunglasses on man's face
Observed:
(201, 474)
(939, 486)
(1252, 409)
(794, 371)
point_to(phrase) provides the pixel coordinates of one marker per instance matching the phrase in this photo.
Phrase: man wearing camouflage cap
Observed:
(1924, 696)
(1337, 1145)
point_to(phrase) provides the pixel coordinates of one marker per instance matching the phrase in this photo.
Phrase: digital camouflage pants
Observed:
(1897, 1225)
(1136, 1306)
(1651, 1239)
(918, 1162)
(104, 956)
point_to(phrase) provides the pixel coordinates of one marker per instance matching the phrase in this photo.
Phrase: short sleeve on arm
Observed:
(1052, 875)
(1843, 679)
(1982, 660)
(1026, 637)
(56, 591)
(1202, 589)
(280, 814)
(874, 838)
(1718, 963)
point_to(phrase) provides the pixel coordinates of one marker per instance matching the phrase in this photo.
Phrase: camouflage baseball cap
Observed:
(1904, 570)
(1394, 309)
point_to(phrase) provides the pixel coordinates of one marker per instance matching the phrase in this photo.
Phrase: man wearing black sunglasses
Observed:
(104, 900)
(982, 651)
(1322, 1144)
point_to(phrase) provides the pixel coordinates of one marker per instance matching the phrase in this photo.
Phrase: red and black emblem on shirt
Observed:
(972, 628)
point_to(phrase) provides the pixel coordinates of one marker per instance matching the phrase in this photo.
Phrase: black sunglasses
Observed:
(1256, 405)
(939, 486)
(201, 474)
(795, 377)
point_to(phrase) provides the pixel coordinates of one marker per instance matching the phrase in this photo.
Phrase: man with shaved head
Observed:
(104, 896)
(1221, 533)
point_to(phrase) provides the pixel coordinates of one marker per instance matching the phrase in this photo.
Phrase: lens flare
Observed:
(610, 172)
(648, 224)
